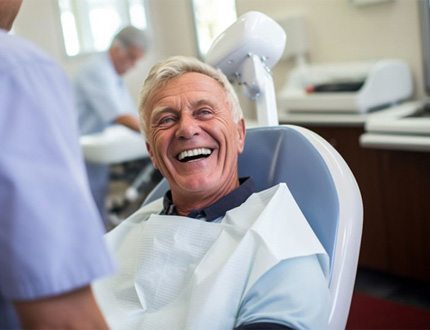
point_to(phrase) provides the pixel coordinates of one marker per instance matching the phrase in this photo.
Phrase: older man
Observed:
(102, 98)
(213, 254)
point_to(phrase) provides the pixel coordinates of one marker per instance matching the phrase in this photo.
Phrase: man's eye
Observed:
(204, 112)
(166, 121)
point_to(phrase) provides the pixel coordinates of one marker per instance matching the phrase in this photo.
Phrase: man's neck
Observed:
(186, 203)
(220, 207)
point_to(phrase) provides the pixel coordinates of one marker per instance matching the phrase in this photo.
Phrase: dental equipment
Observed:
(351, 87)
(246, 52)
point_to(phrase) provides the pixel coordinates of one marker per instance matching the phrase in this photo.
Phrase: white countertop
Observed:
(395, 142)
(395, 129)
(115, 144)
(332, 119)
(396, 120)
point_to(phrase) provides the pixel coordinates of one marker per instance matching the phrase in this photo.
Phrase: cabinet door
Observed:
(406, 205)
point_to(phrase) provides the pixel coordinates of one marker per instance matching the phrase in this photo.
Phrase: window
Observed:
(211, 17)
(89, 25)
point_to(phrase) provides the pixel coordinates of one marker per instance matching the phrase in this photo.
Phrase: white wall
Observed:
(338, 31)
(172, 34)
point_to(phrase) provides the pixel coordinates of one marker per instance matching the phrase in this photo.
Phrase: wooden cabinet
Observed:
(406, 208)
(395, 187)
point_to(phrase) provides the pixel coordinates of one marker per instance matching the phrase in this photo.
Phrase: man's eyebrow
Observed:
(159, 111)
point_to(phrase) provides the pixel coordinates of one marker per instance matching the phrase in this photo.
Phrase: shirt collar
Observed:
(220, 207)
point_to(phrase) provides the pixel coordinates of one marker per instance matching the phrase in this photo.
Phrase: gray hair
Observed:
(164, 71)
(131, 36)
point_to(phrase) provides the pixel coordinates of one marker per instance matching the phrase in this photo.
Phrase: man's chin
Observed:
(198, 185)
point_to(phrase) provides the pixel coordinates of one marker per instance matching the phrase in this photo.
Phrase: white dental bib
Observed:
(181, 273)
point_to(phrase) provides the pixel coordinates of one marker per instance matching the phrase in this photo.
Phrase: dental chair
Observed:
(317, 176)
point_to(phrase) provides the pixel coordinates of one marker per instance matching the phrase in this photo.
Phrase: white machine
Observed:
(245, 53)
(356, 87)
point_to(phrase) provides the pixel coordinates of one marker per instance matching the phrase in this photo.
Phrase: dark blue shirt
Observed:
(220, 207)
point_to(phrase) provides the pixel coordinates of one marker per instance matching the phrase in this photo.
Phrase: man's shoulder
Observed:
(16, 52)
(96, 67)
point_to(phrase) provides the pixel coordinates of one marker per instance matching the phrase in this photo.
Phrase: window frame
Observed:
(80, 9)
(194, 10)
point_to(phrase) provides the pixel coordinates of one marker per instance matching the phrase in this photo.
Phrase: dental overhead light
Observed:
(246, 52)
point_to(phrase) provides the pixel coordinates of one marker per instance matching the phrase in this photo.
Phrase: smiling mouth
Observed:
(193, 154)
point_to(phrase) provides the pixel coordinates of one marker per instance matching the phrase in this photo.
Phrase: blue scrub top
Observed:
(101, 95)
(51, 237)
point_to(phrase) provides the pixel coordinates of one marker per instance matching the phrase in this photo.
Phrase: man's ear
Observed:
(241, 131)
(151, 154)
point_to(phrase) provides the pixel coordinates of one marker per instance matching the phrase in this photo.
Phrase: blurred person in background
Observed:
(102, 98)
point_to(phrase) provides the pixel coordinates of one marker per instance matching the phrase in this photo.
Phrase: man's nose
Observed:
(187, 127)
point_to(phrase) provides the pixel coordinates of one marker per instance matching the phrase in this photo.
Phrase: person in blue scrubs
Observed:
(51, 237)
(102, 98)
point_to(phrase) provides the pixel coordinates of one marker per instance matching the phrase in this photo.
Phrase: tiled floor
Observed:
(393, 288)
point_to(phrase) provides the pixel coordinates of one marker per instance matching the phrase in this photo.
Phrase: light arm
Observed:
(72, 310)
(258, 85)
(246, 52)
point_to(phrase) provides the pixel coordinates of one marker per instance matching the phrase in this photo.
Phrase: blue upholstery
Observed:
(282, 154)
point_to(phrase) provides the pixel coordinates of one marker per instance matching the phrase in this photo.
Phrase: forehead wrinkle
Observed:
(184, 102)
(201, 101)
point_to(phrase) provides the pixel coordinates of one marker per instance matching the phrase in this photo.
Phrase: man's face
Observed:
(125, 59)
(192, 138)
(8, 11)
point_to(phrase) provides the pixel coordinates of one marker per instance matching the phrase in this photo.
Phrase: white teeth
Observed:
(194, 152)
